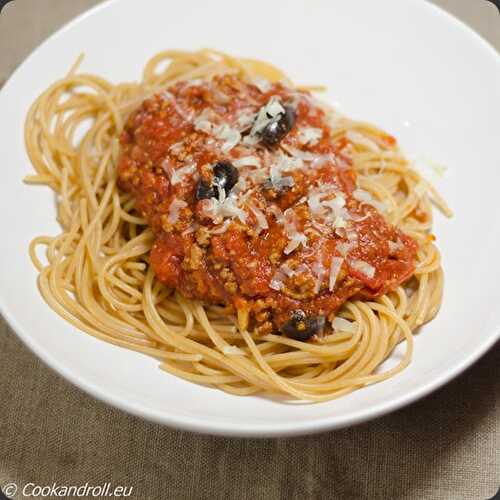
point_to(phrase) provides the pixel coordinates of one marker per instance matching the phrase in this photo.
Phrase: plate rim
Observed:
(228, 428)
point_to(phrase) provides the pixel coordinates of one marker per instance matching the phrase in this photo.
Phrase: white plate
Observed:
(404, 65)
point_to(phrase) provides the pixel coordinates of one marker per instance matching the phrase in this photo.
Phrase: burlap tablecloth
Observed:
(444, 447)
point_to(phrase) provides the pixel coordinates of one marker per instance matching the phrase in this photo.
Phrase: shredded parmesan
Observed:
(363, 267)
(203, 123)
(221, 208)
(222, 228)
(337, 208)
(245, 120)
(287, 164)
(352, 235)
(295, 241)
(191, 229)
(258, 176)
(314, 203)
(174, 209)
(278, 214)
(395, 246)
(338, 213)
(277, 281)
(295, 238)
(231, 136)
(365, 197)
(261, 219)
(250, 140)
(179, 174)
(303, 155)
(167, 167)
(345, 248)
(177, 147)
(169, 97)
(247, 161)
(310, 135)
(319, 272)
(339, 223)
(240, 186)
(335, 266)
(287, 270)
(262, 84)
(278, 182)
(321, 160)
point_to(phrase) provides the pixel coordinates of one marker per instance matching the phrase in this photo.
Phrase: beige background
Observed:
(444, 447)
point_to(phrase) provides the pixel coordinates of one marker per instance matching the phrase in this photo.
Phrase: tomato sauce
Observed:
(267, 244)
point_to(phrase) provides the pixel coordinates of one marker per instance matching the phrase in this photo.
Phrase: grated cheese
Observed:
(277, 281)
(337, 207)
(295, 241)
(203, 123)
(345, 248)
(309, 135)
(250, 140)
(339, 223)
(363, 267)
(288, 164)
(395, 246)
(247, 161)
(261, 219)
(177, 147)
(278, 214)
(296, 238)
(220, 208)
(169, 97)
(223, 228)
(302, 155)
(179, 174)
(231, 136)
(245, 120)
(174, 210)
(314, 203)
(365, 197)
(278, 182)
(319, 271)
(352, 235)
(287, 270)
(321, 160)
(262, 84)
(191, 229)
(335, 267)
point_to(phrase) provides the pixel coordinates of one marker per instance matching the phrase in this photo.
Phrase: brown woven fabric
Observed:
(444, 447)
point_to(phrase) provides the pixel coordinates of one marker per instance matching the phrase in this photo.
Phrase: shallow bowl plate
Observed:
(406, 66)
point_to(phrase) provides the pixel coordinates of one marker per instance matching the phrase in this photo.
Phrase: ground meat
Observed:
(232, 244)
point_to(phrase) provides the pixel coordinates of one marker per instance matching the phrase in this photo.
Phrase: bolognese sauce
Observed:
(255, 206)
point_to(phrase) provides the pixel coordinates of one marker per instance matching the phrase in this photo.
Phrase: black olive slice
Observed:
(277, 129)
(303, 327)
(204, 191)
(225, 175)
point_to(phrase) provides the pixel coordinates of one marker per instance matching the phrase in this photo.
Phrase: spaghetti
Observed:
(97, 273)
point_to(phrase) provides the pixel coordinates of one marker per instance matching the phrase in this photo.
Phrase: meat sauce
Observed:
(280, 230)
